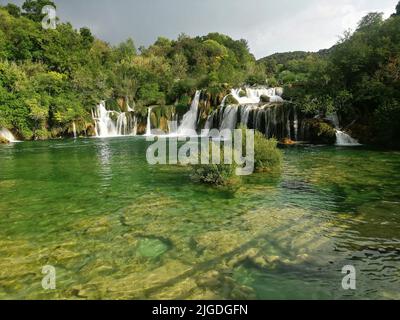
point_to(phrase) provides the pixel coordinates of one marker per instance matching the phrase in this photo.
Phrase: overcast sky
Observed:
(269, 25)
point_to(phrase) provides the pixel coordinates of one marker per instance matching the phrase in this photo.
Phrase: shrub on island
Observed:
(219, 175)
(267, 156)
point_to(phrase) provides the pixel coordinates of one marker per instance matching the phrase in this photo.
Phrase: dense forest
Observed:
(50, 79)
(358, 78)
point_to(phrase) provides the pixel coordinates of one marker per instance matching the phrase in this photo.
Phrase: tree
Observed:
(126, 50)
(87, 37)
(371, 19)
(397, 9)
(14, 10)
(33, 9)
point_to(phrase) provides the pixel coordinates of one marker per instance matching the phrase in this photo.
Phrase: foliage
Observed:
(358, 78)
(321, 132)
(387, 118)
(220, 175)
(33, 9)
(52, 78)
(267, 156)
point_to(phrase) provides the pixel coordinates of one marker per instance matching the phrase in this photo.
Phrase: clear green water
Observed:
(117, 228)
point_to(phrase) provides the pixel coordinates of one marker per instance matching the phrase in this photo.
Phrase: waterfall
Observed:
(113, 123)
(74, 129)
(274, 120)
(6, 134)
(253, 95)
(343, 139)
(296, 125)
(189, 122)
(230, 118)
(122, 124)
(105, 126)
(148, 127)
(245, 114)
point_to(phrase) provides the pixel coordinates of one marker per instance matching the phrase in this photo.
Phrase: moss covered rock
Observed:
(320, 132)
(4, 140)
(231, 100)
(265, 99)
(242, 94)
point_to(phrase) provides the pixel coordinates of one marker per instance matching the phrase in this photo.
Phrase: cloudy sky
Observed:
(269, 25)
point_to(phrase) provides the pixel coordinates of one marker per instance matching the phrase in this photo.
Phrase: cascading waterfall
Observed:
(74, 129)
(122, 124)
(245, 114)
(342, 138)
(296, 125)
(274, 119)
(229, 120)
(6, 134)
(189, 122)
(148, 126)
(113, 123)
(253, 95)
(105, 126)
(173, 125)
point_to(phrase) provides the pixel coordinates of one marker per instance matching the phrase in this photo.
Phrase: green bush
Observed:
(266, 153)
(220, 175)
(267, 156)
(387, 123)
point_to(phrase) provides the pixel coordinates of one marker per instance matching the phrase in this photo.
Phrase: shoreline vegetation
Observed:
(51, 80)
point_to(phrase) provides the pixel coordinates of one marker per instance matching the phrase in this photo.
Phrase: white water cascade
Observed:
(113, 123)
(189, 122)
(6, 134)
(253, 95)
(148, 126)
(343, 139)
(245, 114)
(74, 129)
(229, 120)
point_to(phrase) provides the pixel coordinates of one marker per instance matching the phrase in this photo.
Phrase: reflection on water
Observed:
(115, 227)
(104, 160)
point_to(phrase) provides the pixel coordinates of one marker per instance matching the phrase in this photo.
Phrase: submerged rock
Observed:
(151, 248)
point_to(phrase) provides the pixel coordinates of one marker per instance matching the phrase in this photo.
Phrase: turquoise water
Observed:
(115, 227)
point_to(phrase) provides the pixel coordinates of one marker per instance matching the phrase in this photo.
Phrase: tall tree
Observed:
(33, 8)
(14, 10)
(371, 19)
